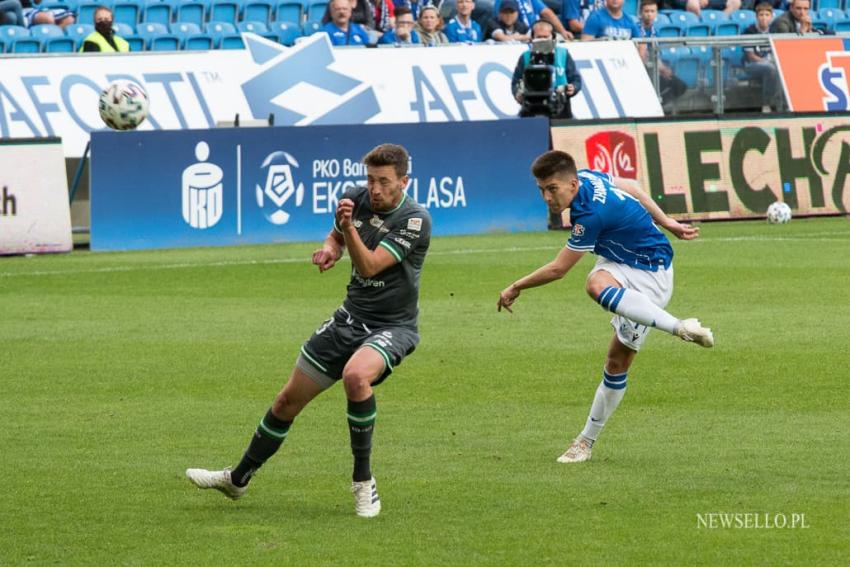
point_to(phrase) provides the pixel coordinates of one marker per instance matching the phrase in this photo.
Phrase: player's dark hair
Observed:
(554, 162)
(388, 154)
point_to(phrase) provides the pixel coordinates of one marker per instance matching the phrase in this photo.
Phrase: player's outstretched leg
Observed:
(639, 308)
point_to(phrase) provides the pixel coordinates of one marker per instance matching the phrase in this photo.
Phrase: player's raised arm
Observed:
(679, 230)
(367, 262)
(554, 270)
(330, 252)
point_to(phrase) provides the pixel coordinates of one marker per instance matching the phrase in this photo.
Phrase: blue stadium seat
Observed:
(70, 5)
(672, 54)
(728, 28)
(687, 68)
(232, 42)
(744, 17)
(191, 12)
(662, 19)
(86, 10)
(316, 10)
(286, 32)
(831, 15)
(127, 12)
(165, 43)
(136, 43)
(821, 25)
(26, 45)
(257, 11)
(184, 30)
(733, 59)
(683, 18)
(842, 27)
(777, 12)
(199, 42)
(258, 28)
(670, 30)
(123, 29)
(218, 30)
(821, 4)
(630, 7)
(149, 30)
(223, 11)
(157, 12)
(60, 45)
(713, 16)
(291, 11)
(46, 31)
(2, 47)
(78, 32)
(698, 30)
(310, 28)
(10, 33)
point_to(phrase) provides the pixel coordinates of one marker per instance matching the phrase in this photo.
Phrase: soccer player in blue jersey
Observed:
(633, 276)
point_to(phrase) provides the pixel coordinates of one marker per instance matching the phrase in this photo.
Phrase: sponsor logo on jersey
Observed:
(578, 230)
(376, 221)
(414, 224)
(613, 152)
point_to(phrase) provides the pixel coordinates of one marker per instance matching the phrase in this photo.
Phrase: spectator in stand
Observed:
(697, 6)
(103, 38)
(795, 20)
(341, 29)
(403, 34)
(56, 16)
(362, 12)
(384, 15)
(416, 5)
(575, 12)
(11, 13)
(669, 85)
(507, 28)
(758, 60)
(462, 28)
(611, 23)
(430, 27)
(531, 11)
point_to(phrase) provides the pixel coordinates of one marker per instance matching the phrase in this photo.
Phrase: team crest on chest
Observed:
(376, 221)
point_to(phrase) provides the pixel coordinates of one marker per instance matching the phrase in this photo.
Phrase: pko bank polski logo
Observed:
(202, 190)
(834, 77)
(279, 187)
(286, 75)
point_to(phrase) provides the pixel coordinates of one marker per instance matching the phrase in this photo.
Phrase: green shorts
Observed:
(328, 350)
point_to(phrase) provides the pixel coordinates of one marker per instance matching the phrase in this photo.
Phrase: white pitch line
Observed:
(457, 252)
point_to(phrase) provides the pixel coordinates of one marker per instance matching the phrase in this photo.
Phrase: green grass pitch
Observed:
(119, 371)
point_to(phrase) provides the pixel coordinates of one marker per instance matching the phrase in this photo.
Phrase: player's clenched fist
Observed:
(344, 213)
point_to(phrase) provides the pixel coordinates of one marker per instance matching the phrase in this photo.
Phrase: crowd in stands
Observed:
(65, 25)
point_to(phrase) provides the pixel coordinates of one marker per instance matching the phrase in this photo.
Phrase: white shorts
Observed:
(657, 286)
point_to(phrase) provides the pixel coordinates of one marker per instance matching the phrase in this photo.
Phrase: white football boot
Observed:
(220, 480)
(690, 330)
(367, 503)
(579, 451)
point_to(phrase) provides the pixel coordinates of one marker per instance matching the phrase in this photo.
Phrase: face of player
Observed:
(800, 9)
(428, 20)
(648, 14)
(341, 12)
(558, 191)
(385, 187)
(464, 7)
(403, 26)
(764, 17)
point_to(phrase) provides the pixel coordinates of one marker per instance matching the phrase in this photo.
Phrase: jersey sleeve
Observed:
(411, 233)
(585, 232)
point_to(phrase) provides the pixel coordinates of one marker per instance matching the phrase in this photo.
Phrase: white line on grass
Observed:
(457, 252)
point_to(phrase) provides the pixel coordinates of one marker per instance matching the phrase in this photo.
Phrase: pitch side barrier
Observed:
(225, 186)
(723, 168)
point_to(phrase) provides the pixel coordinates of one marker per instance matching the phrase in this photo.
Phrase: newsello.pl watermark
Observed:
(751, 521)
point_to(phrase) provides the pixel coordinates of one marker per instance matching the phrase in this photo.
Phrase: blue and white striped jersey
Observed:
(611, 223)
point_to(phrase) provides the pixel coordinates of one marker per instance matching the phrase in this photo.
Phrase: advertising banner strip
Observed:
(815, 72)
(35, 216)
(723, 168)
(224, 186)
(308, 84)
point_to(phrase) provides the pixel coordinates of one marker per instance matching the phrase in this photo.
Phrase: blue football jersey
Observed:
(611, 223)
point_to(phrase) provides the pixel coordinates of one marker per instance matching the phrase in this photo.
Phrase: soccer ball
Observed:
(778, 213)
(123, 105)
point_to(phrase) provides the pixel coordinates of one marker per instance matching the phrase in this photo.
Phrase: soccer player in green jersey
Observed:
(387, 235)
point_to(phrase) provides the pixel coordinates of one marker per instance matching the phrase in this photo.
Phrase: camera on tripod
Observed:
(540, 96)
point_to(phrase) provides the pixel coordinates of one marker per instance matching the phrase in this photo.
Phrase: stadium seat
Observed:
(224, 11)
(316, 10)
(9, 34)
(258, 11)
(821, 4)
(669, 30)
(662, 19)
(831, 15)
(192, 13)
(184, 30)
(136, 43)
(842, 27)
(821, 25)
(78, 32)
(310, 28)
(733, 59)
(290, 11)
(70, 5)
(157, 12)
(150, 30)
(60, 45)
(286, 32)
(46, 31)
(672, 54)
(218, 30)
(687, 68)
(698, 30)
(26, 45)
(127, 12)
(713, 16)
(630, 7)
(745, 18)
(683, 18)
(2, 47)
(727, 28)
(86, 10)
(165, 43)
(258, 28)
(232, 42)
(123, 29)
(198, 42)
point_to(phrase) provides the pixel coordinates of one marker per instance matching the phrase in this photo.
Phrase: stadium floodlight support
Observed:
(238, 122)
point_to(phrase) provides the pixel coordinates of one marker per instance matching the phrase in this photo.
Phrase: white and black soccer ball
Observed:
(123, 105)
(778, 213)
